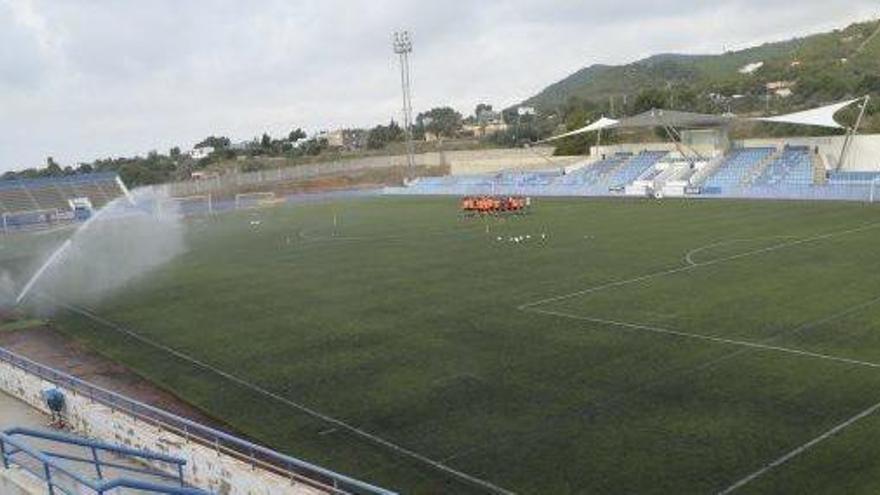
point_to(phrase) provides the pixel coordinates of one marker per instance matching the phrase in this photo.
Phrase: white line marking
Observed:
(721, 340)
(677, 374)
(296, 405)
(800, 450)
(708, 338)
(688, 257)
(685, 268)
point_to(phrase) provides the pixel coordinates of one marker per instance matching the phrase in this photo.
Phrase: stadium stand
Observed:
(790, 172)
(847, 177)
(594, 174)
(20, 199)
(634, 167)
(793, 167)
(651, 174)
(49, 196)
(16, 199)
(735, 168)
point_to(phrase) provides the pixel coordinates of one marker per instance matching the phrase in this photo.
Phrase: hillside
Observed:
(824, 67)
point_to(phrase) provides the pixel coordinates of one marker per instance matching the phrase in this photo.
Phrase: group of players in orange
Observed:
(483, 205)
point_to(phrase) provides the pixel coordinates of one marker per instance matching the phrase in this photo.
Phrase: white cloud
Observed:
(82, 79)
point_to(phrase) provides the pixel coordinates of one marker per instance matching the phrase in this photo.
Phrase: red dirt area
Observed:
(358, 179)
(48, 347)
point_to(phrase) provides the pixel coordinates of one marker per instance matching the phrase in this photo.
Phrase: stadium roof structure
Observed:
(658, 117)
(819, 117)
(600, 124)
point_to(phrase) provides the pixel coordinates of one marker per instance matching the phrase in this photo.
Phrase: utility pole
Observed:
(403, 47)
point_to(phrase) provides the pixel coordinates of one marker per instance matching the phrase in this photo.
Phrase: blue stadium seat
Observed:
(736, 165)
(794, 167)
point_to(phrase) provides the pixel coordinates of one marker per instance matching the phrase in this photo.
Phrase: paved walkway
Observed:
(14, 412)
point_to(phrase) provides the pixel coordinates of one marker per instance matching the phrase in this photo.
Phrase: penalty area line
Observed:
(799, 450)
(688, 267)
(688, 257)
(707, 338)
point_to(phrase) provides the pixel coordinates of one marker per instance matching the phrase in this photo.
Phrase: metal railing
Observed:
(55, 468)
(258, 456)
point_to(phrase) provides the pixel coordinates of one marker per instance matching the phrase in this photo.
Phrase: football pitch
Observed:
(591, 346)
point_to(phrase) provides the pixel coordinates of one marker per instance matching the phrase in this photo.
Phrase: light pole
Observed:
(403, 47)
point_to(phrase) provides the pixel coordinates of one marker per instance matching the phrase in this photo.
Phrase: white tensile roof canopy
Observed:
(819, 117)
(602, 123)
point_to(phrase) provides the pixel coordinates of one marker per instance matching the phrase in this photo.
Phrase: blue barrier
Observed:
(51, 465)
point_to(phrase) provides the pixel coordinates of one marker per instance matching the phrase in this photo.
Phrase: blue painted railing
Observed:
(257, 455)
(54, 468)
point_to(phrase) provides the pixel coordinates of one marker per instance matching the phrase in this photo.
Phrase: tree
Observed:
(52, 168)
(442, 121)
(314, 146)
(683, 98)
(380, 136)
(216, 142)
(649, 99)
(266, 142)
(482, 107)
(870, 83)
(296, 134)
(136, 174)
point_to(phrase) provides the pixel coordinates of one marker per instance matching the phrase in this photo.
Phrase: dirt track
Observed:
(49, 347)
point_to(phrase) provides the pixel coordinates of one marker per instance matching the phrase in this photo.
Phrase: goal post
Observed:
(254, 200)
(201, 204)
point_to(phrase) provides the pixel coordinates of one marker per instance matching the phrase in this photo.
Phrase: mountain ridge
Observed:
(822, 66)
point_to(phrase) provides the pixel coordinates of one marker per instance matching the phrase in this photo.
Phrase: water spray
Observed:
(123, 240)
(39, 273)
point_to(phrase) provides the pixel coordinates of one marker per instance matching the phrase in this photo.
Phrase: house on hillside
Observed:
(200, 152)
(348, 139)
(204, 175)
(486, 123)
(781, 89)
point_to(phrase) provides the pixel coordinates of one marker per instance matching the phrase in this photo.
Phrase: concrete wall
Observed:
(864, 154)
(495, 160)
(206, 467)
(460, 162)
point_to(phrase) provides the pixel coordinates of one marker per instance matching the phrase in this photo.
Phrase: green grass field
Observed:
(639, 347)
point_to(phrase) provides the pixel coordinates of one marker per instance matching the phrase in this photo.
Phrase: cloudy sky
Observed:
(82, 79)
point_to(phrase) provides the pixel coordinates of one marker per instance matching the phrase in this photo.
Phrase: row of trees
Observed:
(154, 168)
(440, 122)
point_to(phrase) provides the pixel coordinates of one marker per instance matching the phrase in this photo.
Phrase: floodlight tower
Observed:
(403, 47)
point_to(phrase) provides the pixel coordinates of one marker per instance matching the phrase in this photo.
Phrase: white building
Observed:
(202, 152)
